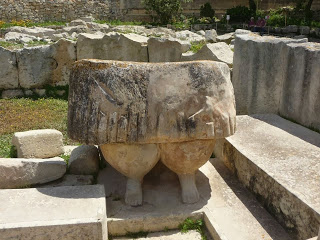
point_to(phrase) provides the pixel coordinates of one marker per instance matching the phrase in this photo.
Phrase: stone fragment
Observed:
(33, 31)
(77, 22)
(113, 46)
(72, 29)
(211, 35)
(189, 36)
(8, 69)
(21, 173)
(19, 37)
(98, 27)
(164, 50)
(225, 38)
(87, 19)
(201, 32)
(171, 102)
(12, 93)
(84, 160)
(44, 143)
(304, 30)
(220, 52)
(70, 180)
(291, 29)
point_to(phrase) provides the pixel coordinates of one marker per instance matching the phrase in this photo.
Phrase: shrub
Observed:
(165, 11)
(239, 14)
(206, 10)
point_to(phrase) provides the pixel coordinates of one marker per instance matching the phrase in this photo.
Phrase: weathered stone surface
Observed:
(77, 22)
(19, 37)
(220, 52)
(189, 36)
(169, 235)
(14, 93)
(20, 173)
(164, 50)
(8, 69)
(259, 69)
(291, 29)
(211, 35)
(126, 102)
(84, 160)
(113, 46)
(70, 180)
(225, 38)
(278, 161)
(35, 66)
(33, 31)
(77, 212)
(44, 143)
(64, 54)
(304, 30)
(73, 29)
(300, 95)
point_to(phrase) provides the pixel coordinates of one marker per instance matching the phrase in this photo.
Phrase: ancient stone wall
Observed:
(66, 10)
(280, 76)
(52, 10)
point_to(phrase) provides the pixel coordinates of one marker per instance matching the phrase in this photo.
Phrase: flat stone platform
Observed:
(279, 161)
(77, 212)
(229, 210)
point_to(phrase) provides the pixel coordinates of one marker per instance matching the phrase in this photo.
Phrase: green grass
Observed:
(195, 47)
(26, 23)
(190, 224)
(14, 45)
(27, 114)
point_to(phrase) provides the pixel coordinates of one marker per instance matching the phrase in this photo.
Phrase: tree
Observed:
(206, 10)
(164, 10)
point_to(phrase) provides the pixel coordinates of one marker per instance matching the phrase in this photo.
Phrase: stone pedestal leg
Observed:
(134, 161)
(185, 158)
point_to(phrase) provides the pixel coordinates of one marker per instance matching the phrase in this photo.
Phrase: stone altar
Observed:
(139, 113)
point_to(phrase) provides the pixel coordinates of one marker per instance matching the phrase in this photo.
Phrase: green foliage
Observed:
(252, 6)
(5, 146)
(239, 14)
(190, 224)
(164, 11)
(66, 158)
(11, 45)
(206, 10)
(28, 23)
(196, 46)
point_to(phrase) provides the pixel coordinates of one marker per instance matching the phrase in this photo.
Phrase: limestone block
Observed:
(259, 69)
(164, 50)
(87, 19)
(189, 36)
(220, 52)
(98, 27)
(20, 172)
(113, 46)
(35, 66)
(77, 22)
(70, 180)
(19, 37)
(65, 54)
(304, 30)
(211, 35)
(73, 29)
(34, 31)
(128, 102)
(12, 93)
(300, 93)
(225, 38)
(201, 32)
(76, 212)
(8, 69)
(44, 143)
(84, 160)
(291, 29)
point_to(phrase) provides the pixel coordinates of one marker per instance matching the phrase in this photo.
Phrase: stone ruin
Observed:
(139, 113)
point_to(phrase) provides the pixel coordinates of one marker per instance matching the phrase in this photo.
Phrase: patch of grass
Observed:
(11, 45)
(190, 224)
(27, 114)
(137, 234)
(28, 23)
(36, 43)
(66, 158)
(195, 47)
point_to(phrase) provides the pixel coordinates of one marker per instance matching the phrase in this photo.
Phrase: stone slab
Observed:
(169, 235)
(279, 161)
(229, 210)
(53, 213)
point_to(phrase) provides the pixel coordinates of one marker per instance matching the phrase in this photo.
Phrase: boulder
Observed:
(12, 93)
(56, 37)
(98, 27)
(77, 22)
(225, 38)
(44, 143)
(113, 46)
(72, 29)
(84, 160)
(19, 37)
(130, 102)
(201, 32)
(211, 35)
(189, 36)
(22, 173)
(291, 29)
(220, 52)
(164, 50)
(304, 30)
(8, 69)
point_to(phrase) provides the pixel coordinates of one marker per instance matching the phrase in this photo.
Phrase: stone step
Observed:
(229, 211)
(279, 161)
(77, 212)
